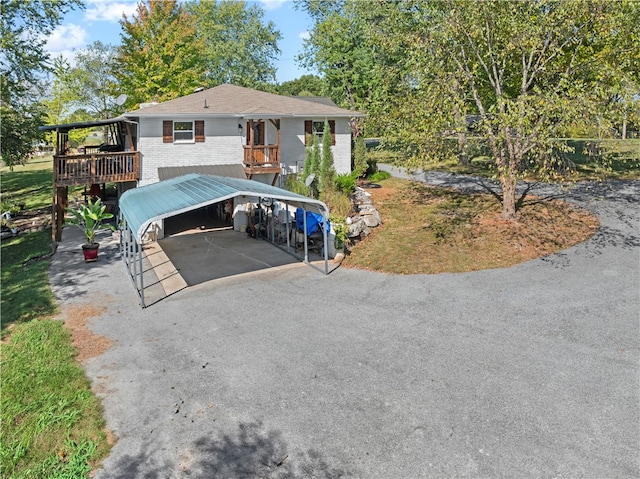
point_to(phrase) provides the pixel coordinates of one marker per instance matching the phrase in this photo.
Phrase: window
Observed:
(316, 128)
(183, 131)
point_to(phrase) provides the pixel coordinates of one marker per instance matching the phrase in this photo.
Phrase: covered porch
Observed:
(261, 158)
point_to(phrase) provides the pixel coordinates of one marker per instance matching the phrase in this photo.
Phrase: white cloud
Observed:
(273, 4)
(304, 35)
(66, 37)
(109, 10)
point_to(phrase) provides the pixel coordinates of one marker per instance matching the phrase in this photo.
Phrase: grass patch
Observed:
(31, 184)
(435, 230)
(609, 159)
(52, 424)
(25, 284)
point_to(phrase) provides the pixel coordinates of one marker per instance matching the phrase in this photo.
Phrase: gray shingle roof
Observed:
(232, 100)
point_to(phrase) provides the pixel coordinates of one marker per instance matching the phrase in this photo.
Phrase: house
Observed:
(226, 130)
(232, 125)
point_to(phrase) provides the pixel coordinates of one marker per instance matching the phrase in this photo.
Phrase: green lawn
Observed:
(615, 159)
(51, 423)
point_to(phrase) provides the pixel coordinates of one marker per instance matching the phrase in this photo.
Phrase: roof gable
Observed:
(237, 101)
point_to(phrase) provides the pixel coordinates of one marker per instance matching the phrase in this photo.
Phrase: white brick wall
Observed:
(224, 145)
(293, 149)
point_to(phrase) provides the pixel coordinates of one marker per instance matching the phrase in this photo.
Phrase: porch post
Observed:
(276, 123)
(251, 141)
(58, 208)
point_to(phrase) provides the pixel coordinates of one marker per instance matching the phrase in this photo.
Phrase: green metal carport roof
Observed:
(142, 206)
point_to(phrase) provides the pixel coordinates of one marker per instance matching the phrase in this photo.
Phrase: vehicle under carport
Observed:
(142, 209)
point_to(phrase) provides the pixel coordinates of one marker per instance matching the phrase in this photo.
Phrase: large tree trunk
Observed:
(508, 180)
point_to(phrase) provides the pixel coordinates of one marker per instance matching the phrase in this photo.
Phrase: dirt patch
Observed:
(33, 220)
(434, 230)
(111, 437)
(88, 344)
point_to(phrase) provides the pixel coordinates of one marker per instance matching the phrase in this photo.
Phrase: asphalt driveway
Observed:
(530, 371)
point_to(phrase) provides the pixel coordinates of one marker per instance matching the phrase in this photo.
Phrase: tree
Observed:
(359, 49)
(93, 80)
(327, 170)
(19, 130)
(524, 69)
(159, 58)
(23, 31)
(359, 157)
(306, 85)
(61, 96)
(239, 47)
(527, 68)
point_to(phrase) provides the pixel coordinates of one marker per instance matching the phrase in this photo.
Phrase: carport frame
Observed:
(193, 191)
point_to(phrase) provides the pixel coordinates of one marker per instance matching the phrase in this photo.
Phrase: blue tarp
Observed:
(314, 220)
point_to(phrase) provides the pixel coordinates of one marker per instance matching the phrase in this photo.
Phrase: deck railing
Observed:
(263, 155)
(112, 167)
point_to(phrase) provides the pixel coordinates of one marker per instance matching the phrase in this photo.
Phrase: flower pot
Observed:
(90, 252)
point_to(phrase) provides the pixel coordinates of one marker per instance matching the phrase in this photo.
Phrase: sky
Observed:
(99, 21)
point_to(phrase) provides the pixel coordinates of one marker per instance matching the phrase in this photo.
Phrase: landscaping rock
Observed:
(366, 216)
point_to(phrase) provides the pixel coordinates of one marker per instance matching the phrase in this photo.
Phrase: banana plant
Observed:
(89, 218)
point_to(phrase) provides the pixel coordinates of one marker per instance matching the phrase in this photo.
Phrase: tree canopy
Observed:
(306, 85)
(524, 69)
(159, 58)
(169, 49)
(23, 30)
(93, 80)
(239, 47)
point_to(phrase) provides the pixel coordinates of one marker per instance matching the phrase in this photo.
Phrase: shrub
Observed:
(360, 165)
(346, 182)
(327, 171)
(339, 203)
(295, 184)
(380, 175)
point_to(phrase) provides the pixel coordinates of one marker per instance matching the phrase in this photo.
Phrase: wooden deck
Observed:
(262, 155)
(90, 168)
(262, 160)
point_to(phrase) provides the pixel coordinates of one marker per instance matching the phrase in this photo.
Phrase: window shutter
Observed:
(167, 131)
(308, 133)
(199, 133)
(332, 127)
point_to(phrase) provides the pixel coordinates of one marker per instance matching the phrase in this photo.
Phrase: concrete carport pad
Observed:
(205, 256)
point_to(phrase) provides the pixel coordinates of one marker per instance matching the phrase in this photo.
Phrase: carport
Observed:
(141, 208)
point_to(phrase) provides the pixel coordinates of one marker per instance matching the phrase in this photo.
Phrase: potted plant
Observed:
(89, 218)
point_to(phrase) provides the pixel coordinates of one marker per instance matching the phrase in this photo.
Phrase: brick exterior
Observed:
(224, 145)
